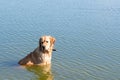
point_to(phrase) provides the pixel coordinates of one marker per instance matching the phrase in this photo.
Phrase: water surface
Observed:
(87, 38)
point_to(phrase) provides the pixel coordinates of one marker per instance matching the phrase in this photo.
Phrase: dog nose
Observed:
(43, 47)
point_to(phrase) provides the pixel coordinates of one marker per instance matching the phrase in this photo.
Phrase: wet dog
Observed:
(42, 54)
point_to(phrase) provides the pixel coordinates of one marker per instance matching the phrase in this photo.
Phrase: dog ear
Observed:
(52, 40)
(40, 42)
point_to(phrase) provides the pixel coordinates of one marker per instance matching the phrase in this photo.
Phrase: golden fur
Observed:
(42, 54)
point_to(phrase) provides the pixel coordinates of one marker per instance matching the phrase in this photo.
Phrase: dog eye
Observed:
(46, 41)
(42, 42)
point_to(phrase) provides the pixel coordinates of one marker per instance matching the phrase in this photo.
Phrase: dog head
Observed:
(46, 43)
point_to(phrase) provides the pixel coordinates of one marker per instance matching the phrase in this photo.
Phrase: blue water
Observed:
(87, 38)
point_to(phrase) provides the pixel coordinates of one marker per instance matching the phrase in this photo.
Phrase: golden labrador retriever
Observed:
(42, 54)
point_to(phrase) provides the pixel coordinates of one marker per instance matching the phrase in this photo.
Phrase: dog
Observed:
(42, 55)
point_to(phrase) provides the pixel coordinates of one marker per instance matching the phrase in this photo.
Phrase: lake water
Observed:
(87, 38)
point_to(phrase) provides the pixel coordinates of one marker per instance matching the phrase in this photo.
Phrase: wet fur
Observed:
(40, 56)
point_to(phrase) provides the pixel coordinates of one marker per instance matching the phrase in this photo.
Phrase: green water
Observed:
(87, 38)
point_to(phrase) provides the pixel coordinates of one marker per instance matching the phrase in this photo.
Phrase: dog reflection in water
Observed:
(41, 72)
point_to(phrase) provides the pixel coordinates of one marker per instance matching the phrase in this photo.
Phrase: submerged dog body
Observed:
(42, 54)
